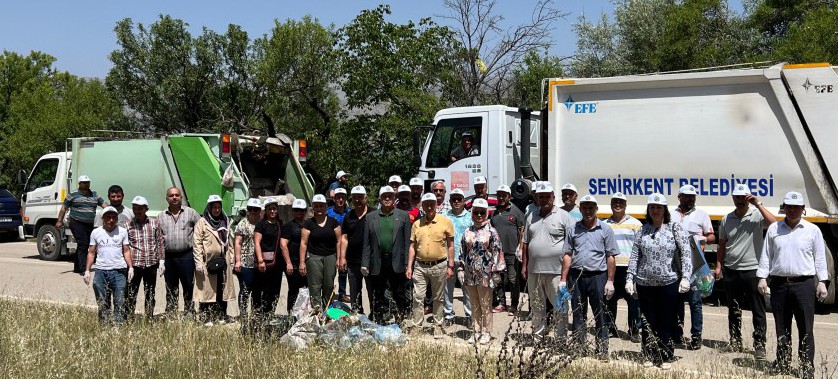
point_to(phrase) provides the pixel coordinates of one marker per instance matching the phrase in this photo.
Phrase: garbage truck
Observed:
(772, 128)
(236, 167)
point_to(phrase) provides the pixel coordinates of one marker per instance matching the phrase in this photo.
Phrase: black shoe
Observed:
(759, 353)
(635, 337)
(613, 333)
(733, 347)
(695, 343)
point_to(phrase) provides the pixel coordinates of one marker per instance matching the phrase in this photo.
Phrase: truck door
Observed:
(458, 150)
(43, 193)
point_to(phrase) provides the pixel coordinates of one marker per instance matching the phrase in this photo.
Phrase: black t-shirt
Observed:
(508, 224)
(322, 240)
(293, 232)
(270, 235)
(354, 228)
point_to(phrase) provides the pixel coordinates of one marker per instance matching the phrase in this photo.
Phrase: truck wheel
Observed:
(49, 243)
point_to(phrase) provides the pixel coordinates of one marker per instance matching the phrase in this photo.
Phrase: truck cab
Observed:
(43, 196)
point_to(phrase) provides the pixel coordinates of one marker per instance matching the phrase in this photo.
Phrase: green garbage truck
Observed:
(236, 167)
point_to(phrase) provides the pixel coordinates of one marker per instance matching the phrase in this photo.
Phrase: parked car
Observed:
(10, 220)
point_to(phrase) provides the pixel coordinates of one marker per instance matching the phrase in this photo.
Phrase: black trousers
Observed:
(511, 279)
(81, 233)
(266, 287)
(180, 271)
(148, 277)
(656, 304)
(589, 288)
(741, 288)
(620, 293)
(355, 283)
(794, 299)
(295, 282)
(397, 282)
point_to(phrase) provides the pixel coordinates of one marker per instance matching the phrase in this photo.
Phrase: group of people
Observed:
(412, 248)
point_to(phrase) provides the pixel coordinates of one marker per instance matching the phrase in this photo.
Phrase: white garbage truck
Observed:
(774, 129)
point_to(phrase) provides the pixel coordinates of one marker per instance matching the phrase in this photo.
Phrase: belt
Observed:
(432, 263)
(790, 279)
(179, 252)
(587, 273)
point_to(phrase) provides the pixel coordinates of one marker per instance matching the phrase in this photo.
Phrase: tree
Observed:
(490, 52)
(598, 50)
(19, 74)
(527, 80)
(814, 39)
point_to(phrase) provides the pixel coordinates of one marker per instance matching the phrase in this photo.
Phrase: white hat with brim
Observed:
(359, 190)
(569, 187)
(503, 188)
(480, 203)
(428, 197)
(270, 201)
(139, 200)
(656, 198)
(456, 191)
(619, 195)
(213, 199)
(395, 178)
(340, 191)
(109, 209)
(587, 199)
(416, 182)
(740, 190)
(544, 188)
(385, 190)
(84, 178)
(318, 199)
(254, 203)
(404, 188)
(299, 204)
(687, 189)
(341, 174)
(480, 180)
(794, 198)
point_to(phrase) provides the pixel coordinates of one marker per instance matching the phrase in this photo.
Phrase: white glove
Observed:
(130, 273)
(684, 287)
(519, 253)
(630, 288)
(199, 270)
(562, 285)
(365, 271)
(609, 289)
(461, 276)
(822, 292)
(161, 269)
(87, 277)
(763, 287)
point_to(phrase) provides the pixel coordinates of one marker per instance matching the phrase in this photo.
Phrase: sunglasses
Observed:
(479, 213)
(439, 190)
(456, 199)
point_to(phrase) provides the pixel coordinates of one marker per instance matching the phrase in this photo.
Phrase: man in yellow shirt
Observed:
(432, 253)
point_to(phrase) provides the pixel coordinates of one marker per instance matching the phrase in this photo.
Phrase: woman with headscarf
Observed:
(319, 253)
(661, 264)
(482, 259)
(214, 259)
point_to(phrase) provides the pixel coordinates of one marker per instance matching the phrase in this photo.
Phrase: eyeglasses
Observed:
(479, 213)
(439, 190)
(456, 199)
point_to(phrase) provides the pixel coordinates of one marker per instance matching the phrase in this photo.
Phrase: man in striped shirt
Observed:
(145, 241)
(82, 207)
(625, 227)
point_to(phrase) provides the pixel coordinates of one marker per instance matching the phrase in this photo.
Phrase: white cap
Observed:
(84, 178)
(686, 190)
(619, 195)
(503, 188)
(588, 199)
(569, 186)
(341, 174)
(299, 204)
(794, 198)
(741, 190)
(269, 201)
(318, 199)
(359, 190)
(456, 191)
(404, 188)
(428, 197)
(340, 190)
(213, 199)
(385, 189)
(656, 198)
(254, 203)
(395, 178)
(480, 203)
(544, 187)
(416, 182)
(480, 180)
(139, 200)
(109, 209)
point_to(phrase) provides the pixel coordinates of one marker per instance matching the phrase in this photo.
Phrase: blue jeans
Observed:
(693, 298)
(108, 286)
(245, 288)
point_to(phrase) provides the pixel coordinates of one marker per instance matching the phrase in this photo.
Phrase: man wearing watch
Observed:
(792, 269)
(430, 262)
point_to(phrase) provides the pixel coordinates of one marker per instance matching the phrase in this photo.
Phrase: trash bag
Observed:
(304, 332)
(302, 307)
(227, 178)
(390, 335)
(702, 279)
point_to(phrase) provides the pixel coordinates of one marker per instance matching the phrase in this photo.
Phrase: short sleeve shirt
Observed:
(293, 232)
(624, 232)
(337, 215)
(545, 237)
(270, 235)
(109, 248)
(83, 207)
(431, 238)
(589, 248)
(321, 239)
(744, 239)
(245, 230)
(461, 223)
(508, 224)
(123, 218)
(353, 227)
(695, 221)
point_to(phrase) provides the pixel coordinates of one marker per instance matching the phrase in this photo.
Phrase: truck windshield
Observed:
(454, 139)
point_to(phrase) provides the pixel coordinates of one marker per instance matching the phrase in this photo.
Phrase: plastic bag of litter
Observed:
(390, 335)
(302, 307)
(563, 300)
(304, 332)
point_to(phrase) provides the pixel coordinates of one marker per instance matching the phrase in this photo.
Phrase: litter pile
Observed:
(338, 327)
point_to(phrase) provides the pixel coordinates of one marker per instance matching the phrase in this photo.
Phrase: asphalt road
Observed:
(24, 276)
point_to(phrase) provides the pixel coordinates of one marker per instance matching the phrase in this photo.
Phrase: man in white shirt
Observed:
(697, 223)
(792, 268)
(109, 248)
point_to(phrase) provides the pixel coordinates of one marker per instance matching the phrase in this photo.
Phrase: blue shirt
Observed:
(590, 247)
(331, 212)
(461, 223)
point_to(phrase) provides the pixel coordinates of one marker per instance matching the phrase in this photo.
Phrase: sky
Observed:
(79, 34)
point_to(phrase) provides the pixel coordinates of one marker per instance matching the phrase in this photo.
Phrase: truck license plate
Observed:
(5, 219)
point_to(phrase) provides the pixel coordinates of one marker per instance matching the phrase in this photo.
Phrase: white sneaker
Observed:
(473, 339)
(485, 338)
(208, 324)
(666, 366)
(648, 364)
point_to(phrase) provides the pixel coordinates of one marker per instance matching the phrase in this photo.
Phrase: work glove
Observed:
(609, 289)
(562, 286)
(763, 287)
(162, 268)
(87, 277)
(822, 292)
(461, 276)
(684, 286)
(365, 271)
(519, 253)
(630, 288)
(130, 273)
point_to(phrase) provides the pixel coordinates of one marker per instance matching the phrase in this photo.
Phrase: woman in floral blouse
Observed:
(654, 266)
(482, 258)
(245, 250)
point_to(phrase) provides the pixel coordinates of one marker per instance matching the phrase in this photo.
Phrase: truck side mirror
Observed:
(417, 145)
(21, 178)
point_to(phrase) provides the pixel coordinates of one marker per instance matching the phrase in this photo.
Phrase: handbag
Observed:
(270, 256)
(216, 265)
